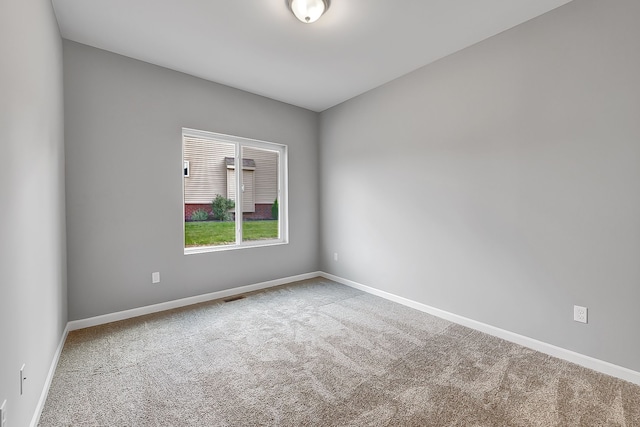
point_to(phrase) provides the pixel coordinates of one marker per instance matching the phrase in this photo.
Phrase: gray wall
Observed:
(33, 297)
(123, 121)
(502, 183)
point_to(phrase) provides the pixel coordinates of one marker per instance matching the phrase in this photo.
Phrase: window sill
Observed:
(247, 245)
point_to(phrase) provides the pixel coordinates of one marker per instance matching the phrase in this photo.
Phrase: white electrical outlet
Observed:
(335, 256)
(155, 277)
(3, 414)
(580, 314)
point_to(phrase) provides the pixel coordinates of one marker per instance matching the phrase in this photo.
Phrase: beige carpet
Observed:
(317, 353)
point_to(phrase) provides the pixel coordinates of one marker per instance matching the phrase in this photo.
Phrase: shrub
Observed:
(221, 207)
(274, 209)
(199, 215)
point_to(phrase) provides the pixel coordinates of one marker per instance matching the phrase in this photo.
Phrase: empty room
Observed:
(319, 213)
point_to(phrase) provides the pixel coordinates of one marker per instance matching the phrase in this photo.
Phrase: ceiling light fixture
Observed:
(308, 11)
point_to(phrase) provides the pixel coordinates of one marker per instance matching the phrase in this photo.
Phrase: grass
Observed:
(212, 233)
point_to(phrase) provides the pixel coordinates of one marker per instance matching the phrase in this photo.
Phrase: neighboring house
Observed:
(209, 170)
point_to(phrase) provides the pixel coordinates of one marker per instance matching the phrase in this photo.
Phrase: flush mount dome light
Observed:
(308, 11)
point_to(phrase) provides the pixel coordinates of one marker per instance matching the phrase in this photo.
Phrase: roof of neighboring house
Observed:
(246, 163)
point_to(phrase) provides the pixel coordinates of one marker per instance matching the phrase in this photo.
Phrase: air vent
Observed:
(236, 298)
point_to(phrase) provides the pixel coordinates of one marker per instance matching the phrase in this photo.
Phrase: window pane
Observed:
(260, 212)
(208, 196)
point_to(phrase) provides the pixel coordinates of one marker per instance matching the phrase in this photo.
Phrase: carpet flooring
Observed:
(317, 353)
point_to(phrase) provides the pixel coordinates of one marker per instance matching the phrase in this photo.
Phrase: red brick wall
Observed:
(191, 208)
(263, 211)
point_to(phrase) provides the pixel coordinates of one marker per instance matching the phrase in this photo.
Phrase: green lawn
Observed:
(210, 233)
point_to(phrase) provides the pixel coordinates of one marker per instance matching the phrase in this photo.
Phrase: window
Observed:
(236, 192)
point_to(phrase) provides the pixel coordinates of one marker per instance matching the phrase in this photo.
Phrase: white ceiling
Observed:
(258, 45)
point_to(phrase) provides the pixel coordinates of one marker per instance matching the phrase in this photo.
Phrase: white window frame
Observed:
(185, 168)
(282, 194)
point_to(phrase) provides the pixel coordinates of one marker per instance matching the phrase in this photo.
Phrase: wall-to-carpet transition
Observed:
(319, 353)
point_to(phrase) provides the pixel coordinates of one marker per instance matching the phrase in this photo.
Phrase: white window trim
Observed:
(283, 193)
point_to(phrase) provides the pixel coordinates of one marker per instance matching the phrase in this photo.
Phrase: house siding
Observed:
(266, 174)
(209, 175)
(207, 169)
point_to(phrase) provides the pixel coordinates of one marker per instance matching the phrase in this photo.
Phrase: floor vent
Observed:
(236, 298)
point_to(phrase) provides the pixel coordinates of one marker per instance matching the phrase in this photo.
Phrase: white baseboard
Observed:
(552, 350)
(140, 311)
(47, 383)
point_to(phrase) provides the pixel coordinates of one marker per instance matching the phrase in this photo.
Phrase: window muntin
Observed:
(255, 219)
